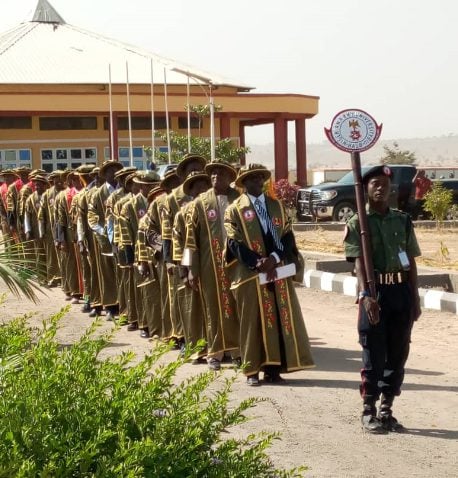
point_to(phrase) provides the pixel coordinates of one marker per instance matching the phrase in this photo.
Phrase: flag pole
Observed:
(212, 125)
(167, 117)
(189, 115)
(131, 156)
(112, 155)
(153, 142)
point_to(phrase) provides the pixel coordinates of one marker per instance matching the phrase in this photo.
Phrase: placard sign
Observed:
(353, 131)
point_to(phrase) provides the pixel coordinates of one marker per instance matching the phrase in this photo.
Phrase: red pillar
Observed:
(281, 148)
(301, 153)
(242, 142)
(225, 126)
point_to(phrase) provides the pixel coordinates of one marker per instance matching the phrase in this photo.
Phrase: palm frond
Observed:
(16, 271)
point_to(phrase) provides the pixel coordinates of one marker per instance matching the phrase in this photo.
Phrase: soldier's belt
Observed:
(391, 278)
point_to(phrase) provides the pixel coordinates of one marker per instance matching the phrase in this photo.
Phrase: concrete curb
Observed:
(347, 285)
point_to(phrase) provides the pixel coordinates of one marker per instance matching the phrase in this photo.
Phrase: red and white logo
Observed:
(249, 215)
(212, 214)
(353, 131)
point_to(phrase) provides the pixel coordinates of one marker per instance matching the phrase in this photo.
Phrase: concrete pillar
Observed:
(225, 126)
(281, 148)
(242, 141)
(301, 154)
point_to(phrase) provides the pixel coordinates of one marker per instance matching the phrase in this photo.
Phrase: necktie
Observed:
(261, 210)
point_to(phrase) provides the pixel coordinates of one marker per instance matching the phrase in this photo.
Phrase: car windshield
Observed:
(348, 178)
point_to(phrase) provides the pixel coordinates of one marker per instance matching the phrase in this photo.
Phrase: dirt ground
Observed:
(317, 411)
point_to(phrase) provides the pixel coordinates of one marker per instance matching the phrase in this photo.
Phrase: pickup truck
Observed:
(337, 201)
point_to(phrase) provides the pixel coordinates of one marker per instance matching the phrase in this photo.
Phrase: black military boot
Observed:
(385, 415)
(369, 420)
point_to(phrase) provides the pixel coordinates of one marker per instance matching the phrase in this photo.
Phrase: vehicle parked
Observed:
(162, 169)
(337, 200)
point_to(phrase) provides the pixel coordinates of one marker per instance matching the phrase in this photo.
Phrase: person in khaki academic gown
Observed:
(131, 213)
(86, 241)
(153, 235)
(72, 278)
(129, 314)
(13, 208)
(106, 265)
(12, 204)
(175, 200)
(32, 227)
(114, 201)
(205, 241)
(8, 177)
(84, 173)
(190, 303)
(46, 217)
(273, 337)
(146, 255)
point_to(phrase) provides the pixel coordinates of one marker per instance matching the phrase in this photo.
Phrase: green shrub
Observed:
(68, 412)
(438, 202)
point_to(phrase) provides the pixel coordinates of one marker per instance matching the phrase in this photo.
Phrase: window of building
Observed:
(139, 157)
(56, 123)
(13, 158)
(15, 122)
(138, 123)
(63, 158)
(195, 121)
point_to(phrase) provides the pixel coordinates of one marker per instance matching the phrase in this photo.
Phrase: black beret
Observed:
(381, 170)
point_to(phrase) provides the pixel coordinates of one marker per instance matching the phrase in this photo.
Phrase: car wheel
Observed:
(343, 211)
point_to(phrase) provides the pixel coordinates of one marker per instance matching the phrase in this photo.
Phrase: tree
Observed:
(395, 155)
(438, 202)
(224, 148)
(202, 111)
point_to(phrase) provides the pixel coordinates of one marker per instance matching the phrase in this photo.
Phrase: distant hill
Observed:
(435, 151)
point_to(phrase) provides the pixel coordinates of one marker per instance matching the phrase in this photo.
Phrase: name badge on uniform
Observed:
(404, 260)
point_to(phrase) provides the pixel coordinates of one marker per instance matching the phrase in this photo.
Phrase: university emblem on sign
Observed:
(211, 214)
(353, 131)
(249, 215)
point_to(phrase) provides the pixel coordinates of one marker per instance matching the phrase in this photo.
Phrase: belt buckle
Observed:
(389, 278)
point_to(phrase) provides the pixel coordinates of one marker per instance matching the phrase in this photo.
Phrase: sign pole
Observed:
(368, 269)
(355, 131)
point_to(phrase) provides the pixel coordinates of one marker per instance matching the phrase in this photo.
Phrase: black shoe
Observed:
(371, 424)
(109, 316)
(389, 423)
(198, 361)
(144, 334)
(253, 380)
(95, 312)
(86, 308)
(214, 364)
(132, 326)
(237, 362)
(273, 378)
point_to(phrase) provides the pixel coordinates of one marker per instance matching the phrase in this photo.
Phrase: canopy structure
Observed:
(51, 69)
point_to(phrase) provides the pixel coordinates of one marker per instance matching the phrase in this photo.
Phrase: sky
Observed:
(397, 60)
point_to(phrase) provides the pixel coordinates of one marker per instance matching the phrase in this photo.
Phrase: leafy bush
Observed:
(67, 412)
(287, 192)
(438, 202)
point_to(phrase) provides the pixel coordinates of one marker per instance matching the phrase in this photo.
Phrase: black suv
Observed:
(337, 200)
